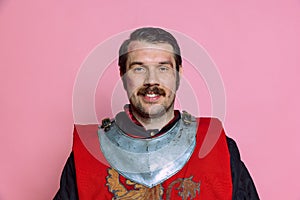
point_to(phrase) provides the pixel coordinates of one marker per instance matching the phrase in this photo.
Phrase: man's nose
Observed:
(151, 78)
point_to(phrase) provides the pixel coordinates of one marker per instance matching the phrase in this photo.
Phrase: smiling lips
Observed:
(151, 97)
(151, 94)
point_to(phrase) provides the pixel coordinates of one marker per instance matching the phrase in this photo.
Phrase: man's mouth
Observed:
(151, 97)
(151, 94)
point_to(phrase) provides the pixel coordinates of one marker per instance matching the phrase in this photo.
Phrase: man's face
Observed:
(151, 78)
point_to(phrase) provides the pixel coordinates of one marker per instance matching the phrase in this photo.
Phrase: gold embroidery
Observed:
(187, 188)
(139, 192)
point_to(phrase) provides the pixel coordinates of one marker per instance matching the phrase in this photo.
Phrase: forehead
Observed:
(144, 52)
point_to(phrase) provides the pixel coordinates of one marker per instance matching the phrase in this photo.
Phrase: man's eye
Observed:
(163, 68)
(138, 69)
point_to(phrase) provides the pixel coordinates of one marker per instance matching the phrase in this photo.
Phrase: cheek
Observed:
(132, 84)
(170, 84)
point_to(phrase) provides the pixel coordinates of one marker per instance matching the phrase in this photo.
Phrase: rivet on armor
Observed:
(186, 117)
(106, 123)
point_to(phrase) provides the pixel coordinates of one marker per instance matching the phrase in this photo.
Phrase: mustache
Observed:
(151, 89)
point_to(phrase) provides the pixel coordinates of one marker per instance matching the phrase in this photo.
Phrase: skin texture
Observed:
(151, 82)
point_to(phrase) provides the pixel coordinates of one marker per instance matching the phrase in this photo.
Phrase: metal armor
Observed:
(149, 161)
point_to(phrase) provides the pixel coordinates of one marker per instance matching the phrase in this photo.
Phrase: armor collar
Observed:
(149, 161)
(129, 124)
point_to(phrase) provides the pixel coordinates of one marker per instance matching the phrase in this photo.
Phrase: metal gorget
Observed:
(153, 160)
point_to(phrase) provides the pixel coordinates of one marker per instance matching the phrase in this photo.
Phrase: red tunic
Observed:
(206, 175)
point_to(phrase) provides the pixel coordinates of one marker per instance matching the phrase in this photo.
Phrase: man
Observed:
(151, 151)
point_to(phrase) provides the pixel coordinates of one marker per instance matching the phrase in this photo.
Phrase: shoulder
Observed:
(210, 123)
(208, 120)
(85, 130)
(86, 127)
(242, 182)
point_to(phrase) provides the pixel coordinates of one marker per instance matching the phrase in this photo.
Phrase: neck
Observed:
(155, 122)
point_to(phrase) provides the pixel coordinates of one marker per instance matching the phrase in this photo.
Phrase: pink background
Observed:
(255, 45)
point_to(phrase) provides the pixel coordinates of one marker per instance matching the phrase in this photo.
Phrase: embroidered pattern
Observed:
(187, 189)
(139, 192)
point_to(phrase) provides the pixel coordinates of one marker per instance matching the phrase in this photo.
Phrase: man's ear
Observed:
(122, 76)
(180, 70)
(179, 74)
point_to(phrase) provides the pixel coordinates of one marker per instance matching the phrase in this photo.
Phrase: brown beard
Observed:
(140, 110)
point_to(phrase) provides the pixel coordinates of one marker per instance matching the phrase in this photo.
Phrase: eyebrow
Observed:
(135, 63)
(166, 63)
(160, 63)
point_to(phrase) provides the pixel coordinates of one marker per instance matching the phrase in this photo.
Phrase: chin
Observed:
(155, 111)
